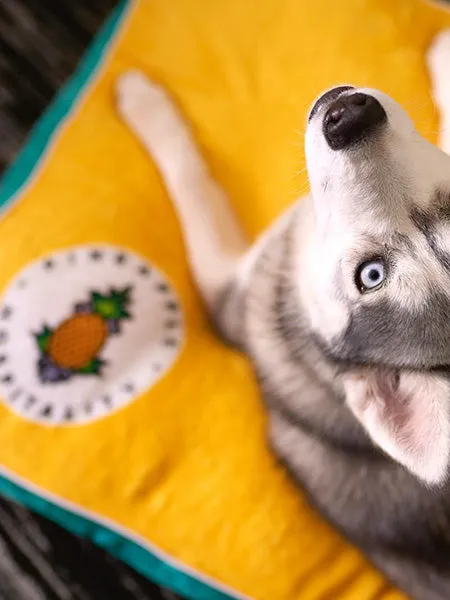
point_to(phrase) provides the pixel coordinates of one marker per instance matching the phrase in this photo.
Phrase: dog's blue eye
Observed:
(370, 275)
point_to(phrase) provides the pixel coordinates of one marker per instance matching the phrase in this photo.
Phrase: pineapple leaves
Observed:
(43, 338)
(93, 367)
(112, 306)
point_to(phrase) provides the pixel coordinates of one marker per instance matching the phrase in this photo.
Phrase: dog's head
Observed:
(377, 271)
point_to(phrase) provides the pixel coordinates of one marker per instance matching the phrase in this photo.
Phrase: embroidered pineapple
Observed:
(73, 347)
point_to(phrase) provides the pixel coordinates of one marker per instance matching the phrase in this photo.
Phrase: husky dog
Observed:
(344, 309)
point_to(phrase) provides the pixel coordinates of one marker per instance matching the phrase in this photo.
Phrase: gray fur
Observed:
(427, 222)
(400, 524)
(422, 335)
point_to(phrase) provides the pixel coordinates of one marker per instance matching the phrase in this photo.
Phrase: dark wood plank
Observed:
(40, 44)
(40, 561)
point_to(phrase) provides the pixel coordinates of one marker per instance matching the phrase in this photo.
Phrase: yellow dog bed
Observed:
(123, 417)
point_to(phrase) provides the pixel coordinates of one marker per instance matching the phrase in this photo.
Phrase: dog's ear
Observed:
(406, 414)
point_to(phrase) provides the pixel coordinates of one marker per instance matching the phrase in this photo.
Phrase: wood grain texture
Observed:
(40, 45)
(40, 561)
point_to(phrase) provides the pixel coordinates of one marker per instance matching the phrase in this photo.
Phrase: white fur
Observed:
(216, 244)
(439, 67)
(214, 239)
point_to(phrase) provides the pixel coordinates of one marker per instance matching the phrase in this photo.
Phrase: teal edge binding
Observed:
(137, 556)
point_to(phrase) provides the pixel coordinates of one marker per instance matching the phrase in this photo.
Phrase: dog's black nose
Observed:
(327, 97)
(349, 119)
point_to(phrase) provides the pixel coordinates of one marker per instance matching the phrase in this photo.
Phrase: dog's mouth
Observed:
(327, 98)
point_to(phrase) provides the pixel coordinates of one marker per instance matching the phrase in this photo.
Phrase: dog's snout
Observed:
(351, 118)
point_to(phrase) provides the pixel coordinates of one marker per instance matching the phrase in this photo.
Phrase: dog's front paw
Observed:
(138, 97)
(438, 59)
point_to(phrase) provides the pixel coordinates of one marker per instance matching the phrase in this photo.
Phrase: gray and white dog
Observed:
(344, 308)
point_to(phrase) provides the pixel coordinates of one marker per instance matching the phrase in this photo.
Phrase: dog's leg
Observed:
(219, 254)
(439, 66)
(212, 235)
(216, 246)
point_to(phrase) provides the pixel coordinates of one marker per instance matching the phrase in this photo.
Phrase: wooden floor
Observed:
(41, 41)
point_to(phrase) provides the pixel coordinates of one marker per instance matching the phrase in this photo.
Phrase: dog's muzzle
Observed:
(348, 117)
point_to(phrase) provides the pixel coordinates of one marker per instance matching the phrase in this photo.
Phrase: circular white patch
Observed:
(144, 337)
